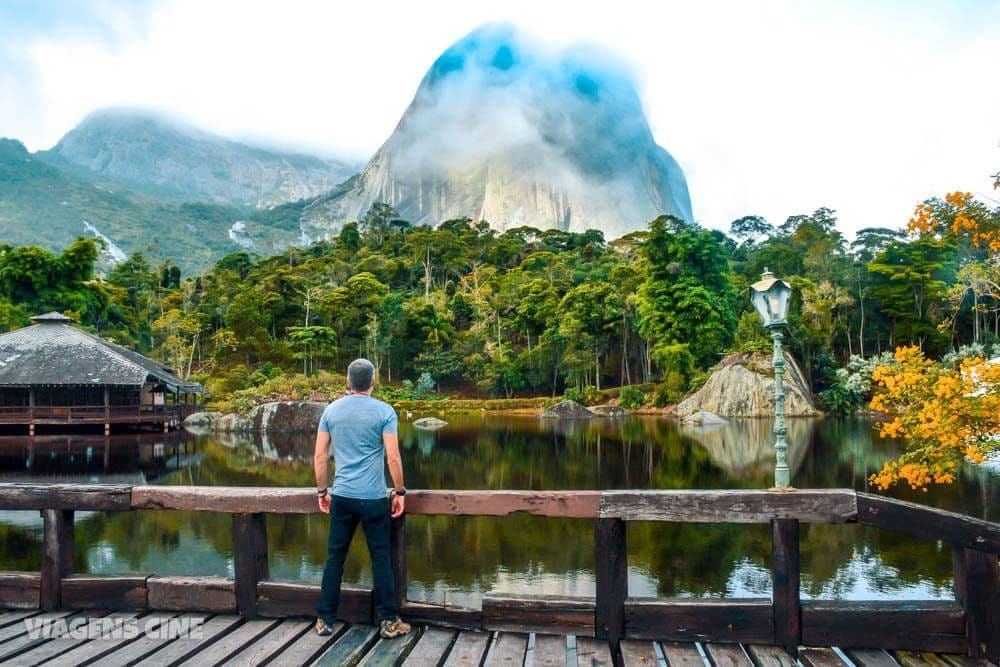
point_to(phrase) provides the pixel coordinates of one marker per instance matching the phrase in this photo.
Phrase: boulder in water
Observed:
(287, 416)
(202, 419)
(742, 385)
(430, 423)
(568, 410)
(610, 411)
(704, 418)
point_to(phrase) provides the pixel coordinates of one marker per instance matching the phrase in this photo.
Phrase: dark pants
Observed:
(345, 513)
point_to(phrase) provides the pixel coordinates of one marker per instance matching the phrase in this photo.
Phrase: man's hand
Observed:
(324, 503)
(398, 506)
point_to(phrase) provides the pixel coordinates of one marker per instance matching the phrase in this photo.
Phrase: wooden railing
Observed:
(93, 414)
(970, 624)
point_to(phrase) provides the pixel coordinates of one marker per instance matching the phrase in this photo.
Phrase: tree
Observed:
(944, 415)
(749, 228)
(687, 297)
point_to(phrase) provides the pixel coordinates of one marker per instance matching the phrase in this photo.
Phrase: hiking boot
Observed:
(394, 628)
(322, 628)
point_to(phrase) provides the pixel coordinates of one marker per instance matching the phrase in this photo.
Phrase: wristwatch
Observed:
(400, 492)
(321, 492)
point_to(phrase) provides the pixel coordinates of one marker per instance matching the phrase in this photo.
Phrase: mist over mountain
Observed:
(164, 157)
(505, 131)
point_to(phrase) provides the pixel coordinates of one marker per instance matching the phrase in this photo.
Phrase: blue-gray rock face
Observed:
(508, 133)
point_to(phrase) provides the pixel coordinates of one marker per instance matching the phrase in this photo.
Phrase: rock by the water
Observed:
(742, 385)
(610, 411)
(430, 423)
(568, 410)
(704, 418)
(287, 416)
(232, 424)
(202, 419)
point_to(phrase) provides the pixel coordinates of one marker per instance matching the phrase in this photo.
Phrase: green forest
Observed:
(465, 310)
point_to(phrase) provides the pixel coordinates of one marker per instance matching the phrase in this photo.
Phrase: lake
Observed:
(456, 559)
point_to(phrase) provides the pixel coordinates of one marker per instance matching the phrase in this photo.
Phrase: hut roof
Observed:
(51, 352)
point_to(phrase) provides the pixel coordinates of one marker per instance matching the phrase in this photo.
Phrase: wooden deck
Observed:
(232, 640)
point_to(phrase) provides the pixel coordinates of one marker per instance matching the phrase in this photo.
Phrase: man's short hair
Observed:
(360, 374)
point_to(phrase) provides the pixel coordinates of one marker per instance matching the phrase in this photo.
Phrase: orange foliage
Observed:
(944, 415)
(967, 220)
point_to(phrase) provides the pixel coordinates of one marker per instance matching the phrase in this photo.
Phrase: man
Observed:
(363, 431)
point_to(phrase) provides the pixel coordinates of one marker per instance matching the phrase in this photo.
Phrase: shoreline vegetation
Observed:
(465, 311)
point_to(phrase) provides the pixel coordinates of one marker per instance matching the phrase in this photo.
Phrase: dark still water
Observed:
(456, 559)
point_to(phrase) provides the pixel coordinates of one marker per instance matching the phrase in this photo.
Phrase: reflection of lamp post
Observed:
(770, 297)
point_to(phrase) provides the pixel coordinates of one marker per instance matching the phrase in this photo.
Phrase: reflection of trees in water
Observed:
(474, 554)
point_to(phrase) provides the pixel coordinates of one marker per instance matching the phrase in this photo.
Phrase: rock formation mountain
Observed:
(164, 157)
(503, 131)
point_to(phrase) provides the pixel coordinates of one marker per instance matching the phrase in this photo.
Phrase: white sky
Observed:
(774, 108)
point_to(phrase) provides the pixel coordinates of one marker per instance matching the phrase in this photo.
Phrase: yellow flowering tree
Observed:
(944, 415)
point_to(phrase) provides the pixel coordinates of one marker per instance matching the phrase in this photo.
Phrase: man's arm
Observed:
(395, 461)
(321, 466)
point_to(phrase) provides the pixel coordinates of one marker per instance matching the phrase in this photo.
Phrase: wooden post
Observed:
(249, 560)
(57, 556)
(785, 584)
(397, 552)
(31, 412)
(977, 588)
(107, 412)
(611, 574)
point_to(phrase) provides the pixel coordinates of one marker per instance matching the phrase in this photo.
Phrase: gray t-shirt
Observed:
(356, 424)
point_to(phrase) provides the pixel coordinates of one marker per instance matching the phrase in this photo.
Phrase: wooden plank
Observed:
(389, 652)
(732, 620)
(101, 592)
(278, 599)
(550, 650)
(592, 653)
(727, 655)
(680, 654)
(397, 556)
(265, 647)
(82, 497)
(638, 653)
(731, 506)
(231, 642)
(770, 656)
(93, 650)
(57, 556)
(153, 637)
(919, 659)
(507, 649)
(468, 649)
(12, 617)
(955, 660)
(57, 647)
(447, 616)
(234, 499)
(432, 647)
(24, 639)
(349, 648)
(212, 630)
(611, 576)
(936, 625)
(17, 629)
(214, 594)
(819, 657)
(977, 589)
(575, 504)
(528, 613)
(928, 523)
(249, 560)
(785, 584)
(308, 647)
(870, 657)
(19, 590)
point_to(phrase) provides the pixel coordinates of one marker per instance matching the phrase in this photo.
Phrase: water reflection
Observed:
(456, 559)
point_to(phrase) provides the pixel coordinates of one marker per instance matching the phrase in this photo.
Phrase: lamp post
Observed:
(770, 297)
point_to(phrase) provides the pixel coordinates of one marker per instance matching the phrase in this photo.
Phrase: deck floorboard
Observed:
(228, 639)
